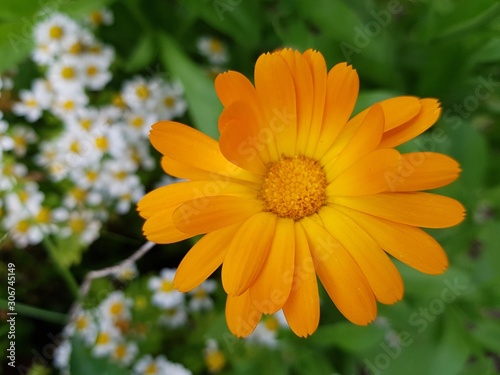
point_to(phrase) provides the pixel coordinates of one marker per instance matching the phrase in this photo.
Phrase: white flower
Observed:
(127, 272)
(171, 101)
(213, 49)
(101, 17)
(66, 75)
(266, 332)
(200, 299)
(174, 317)
(83, 325)
(79, 197)
(126, 199)
(158, 366)
(139, 123)
(54, 34)
(106, 339)
(65, 105)
(34, 101)
(78, 223)
(140, 94)
(95, 71)
(119, 177)
(26, 199)
(22, 136)
(22, 229)
(10, 174)
(6, 142)
(214, 357)
(165, 296)
(62, 354)
(116, 307)
(124, 352)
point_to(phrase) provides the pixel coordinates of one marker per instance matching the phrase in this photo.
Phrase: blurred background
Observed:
(81, 83)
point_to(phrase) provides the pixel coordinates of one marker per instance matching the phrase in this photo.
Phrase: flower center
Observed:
(294, 187)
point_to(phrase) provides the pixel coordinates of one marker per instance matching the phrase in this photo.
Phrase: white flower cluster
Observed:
(107, 332)
(93, 153)
(173, 303)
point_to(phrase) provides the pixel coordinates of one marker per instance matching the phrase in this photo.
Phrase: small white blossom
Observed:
(164, 294)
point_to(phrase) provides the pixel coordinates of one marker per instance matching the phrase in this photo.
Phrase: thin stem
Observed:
(92, 275)
(35, 312)
(65, 273)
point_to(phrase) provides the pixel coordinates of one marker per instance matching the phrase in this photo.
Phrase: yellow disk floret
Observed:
(294, 187)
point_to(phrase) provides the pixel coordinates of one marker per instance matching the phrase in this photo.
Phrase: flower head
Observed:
(297, 188)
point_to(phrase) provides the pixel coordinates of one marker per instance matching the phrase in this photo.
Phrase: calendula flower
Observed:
(296, 188)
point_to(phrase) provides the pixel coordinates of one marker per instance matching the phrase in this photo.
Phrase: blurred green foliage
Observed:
(448, 49)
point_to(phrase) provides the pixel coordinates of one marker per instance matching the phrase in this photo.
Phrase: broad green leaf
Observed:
(15, 43)
(81, 362)
(204, 107)
(469, 147)
(465, 16)
(238, 19)
(488, 53)
(453, 351)
(487, 333)
(482, 366)
(14, 10)
(142, 54)
(347, 336)
(68, 250)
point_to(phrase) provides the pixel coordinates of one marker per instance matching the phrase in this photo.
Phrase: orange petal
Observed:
(239, 142)
(381, 273)
(203, 259)
(341, 94)
(233, 86)
(272, 287)
(241, 315)
(408, 244)
(397, 110)
(317, 66)
(302, 307)
(428, 115)
(340, 275)
(423, 171)
(207, 214)
(172, 196)
(192, 147)
(177, 168)
(367, 176)
(276, 92)
(417, 209)
(160, 228)
(362, 142)
(247, 253)
(304, 91)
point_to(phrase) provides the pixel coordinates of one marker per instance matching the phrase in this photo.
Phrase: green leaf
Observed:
(487, 333)
(12, 10)
(68, 250)
(142, 54)
(79, 8)
(204, 107)
(453, 351)
(81, 362)
(488, 53)
(238, 19)
(464, 16)
(347, 336)
(15, 43)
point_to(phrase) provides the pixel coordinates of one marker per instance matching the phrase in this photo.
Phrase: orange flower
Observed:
(295, 188)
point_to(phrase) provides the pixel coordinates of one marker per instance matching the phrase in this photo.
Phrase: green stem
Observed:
(35, 312)
(65, 273)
